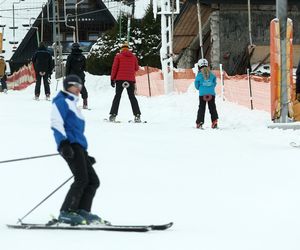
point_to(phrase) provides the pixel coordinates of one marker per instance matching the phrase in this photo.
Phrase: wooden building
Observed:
(226, 34)
(93, 19)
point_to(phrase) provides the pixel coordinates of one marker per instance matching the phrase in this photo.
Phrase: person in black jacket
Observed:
(298, 82)
(75, 65)
(42, 62)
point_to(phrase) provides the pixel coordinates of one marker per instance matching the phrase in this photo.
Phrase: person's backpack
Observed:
(2, 67)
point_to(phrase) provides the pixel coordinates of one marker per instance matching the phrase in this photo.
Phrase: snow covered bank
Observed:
(236, 188)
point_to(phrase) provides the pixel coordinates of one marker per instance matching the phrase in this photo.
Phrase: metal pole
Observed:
(281, 13)
(76, 7)
(28, 158)
(128, 28)
(148, 81)
(120, 24)
(222, 82)
(46, 198)
(249, 22)
(72, 27)
(250, 88)
(14, 22)
(42, 24)
(200, 28)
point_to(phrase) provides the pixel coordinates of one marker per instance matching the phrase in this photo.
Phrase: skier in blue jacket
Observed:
(206, 82)
(68, 126)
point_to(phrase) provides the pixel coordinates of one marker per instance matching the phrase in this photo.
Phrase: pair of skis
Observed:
(55, 225)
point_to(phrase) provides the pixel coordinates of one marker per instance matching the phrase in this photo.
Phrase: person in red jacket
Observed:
(123, 76)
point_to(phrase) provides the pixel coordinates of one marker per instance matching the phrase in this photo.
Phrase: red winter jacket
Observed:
(124, 67)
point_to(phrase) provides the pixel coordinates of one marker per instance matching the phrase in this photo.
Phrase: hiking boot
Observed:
(214, 124)
(71, 218)
(137, 118)
(112, 118)
(92, 218)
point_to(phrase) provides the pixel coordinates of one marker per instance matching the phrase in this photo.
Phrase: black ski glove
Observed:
(66, 150)
(113, 83)
(91, 160)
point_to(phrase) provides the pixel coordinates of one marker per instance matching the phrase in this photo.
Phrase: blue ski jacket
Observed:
(205, 87)
(67, 121)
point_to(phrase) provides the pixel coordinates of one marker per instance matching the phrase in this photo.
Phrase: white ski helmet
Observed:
(203, 63)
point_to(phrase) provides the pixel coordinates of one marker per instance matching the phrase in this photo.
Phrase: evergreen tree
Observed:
(144, 42)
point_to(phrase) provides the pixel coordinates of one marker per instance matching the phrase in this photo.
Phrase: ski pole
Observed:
(29, 158)
(54, 191)
(250, 88)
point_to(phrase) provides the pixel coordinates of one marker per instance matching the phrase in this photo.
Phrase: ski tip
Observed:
(162, 227)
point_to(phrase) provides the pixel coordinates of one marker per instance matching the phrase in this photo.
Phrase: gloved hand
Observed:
(66, 150)
(298, 97)
(91, 160)
(113, 83)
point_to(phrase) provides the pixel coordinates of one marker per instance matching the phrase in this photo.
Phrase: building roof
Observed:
(24, 50)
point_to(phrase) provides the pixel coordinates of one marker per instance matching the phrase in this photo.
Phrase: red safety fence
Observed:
(236, 88)
(22, 78)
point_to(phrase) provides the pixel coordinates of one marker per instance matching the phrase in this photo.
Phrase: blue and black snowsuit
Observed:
(68, 126)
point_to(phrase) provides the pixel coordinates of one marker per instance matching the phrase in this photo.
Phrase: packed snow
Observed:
(235, 188)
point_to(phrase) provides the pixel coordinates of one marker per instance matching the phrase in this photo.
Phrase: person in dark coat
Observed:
(76, 64)
(42, 62)
(123, 76)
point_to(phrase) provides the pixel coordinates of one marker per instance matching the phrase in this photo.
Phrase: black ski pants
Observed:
(37, 89)
(86, 182)
(202, 107)
(133, 101)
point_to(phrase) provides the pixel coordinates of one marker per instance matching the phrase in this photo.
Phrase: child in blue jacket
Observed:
(206, 82)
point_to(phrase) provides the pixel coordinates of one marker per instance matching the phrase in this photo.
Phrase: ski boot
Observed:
(137, 118)
(112, 118)
(214, 124)
(37, 98)
(92, 218)
(5, 91)
(199, 125)
(48, 97)
(71, 218)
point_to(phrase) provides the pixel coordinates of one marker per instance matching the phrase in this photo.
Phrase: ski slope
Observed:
(236, 188)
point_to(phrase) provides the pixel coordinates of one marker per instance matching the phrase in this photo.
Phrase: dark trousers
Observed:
(86, 182)
(202, 107)
(130, 91)
(84, 93)
(3, 83)
(37, 89)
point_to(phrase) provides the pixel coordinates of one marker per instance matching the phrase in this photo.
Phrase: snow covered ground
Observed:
(236, 188)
